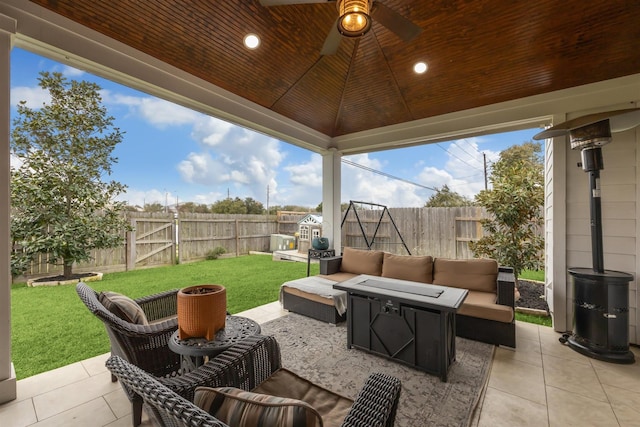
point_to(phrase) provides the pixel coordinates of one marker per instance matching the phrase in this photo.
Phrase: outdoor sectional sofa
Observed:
(487, 313)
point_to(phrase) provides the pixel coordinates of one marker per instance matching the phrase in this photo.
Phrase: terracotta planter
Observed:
(202, 311)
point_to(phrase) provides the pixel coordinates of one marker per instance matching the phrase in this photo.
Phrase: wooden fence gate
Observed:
(152, 241)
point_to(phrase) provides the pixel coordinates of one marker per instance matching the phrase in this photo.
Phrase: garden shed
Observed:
(308, 227)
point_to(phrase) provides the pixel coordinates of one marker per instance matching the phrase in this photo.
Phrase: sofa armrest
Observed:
(244, 365)
(376, 402)
(506, 287)
(330, 265)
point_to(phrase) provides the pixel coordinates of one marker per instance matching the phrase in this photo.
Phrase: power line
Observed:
(460, 147)
(368, 169)
(454, 155)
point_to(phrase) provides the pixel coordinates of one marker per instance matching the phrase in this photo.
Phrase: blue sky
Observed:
(171, 153)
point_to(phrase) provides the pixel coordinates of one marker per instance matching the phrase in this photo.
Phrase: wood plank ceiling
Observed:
(479, 52)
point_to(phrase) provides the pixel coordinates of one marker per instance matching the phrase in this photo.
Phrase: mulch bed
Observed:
(61, 277)
(531, 295)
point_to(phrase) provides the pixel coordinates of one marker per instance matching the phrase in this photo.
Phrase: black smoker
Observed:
(601, 297)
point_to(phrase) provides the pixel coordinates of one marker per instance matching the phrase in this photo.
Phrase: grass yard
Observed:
(51, 327)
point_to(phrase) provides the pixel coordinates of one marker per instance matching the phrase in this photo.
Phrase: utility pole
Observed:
(267, 200)
(484, 156)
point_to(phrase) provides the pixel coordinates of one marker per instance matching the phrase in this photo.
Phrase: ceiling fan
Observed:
(354, 20)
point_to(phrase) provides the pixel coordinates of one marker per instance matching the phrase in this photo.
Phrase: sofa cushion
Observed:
(483, 305)
(472, 274)
(332, 407)
(407, 267)
(358, 261)
(240, 408)
(123, 307)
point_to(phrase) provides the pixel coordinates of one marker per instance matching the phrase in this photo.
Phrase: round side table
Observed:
(193, 351)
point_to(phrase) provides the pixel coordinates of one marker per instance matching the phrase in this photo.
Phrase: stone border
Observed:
(94, 278)
(532, 311)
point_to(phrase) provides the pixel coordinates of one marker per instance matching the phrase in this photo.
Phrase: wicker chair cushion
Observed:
(240, 408)
(123, 307)
(332, 407)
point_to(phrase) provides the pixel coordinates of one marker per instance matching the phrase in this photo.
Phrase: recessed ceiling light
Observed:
(251, 41)
(420, 67)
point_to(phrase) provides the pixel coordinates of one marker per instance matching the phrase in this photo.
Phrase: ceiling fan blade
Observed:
(268, 3)
(332, 42)
(395, 22)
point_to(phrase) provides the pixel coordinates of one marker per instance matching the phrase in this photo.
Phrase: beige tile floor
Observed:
(541, 383)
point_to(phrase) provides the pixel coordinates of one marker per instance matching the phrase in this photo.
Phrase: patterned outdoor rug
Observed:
(318, 351)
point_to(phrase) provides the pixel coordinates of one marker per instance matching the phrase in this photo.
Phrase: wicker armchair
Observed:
(245, 365)
(145, 346)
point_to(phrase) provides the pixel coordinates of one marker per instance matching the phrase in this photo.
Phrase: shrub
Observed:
(215, 252)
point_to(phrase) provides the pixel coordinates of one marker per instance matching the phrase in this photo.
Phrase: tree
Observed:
(515, 202)
(154, 207)
(192, 207)
(445, 198)
(253, 206)
(229, 206)
(60, 204)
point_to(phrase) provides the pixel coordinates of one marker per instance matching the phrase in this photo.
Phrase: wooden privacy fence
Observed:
(167, 238)
(439, 232)
(236, 234)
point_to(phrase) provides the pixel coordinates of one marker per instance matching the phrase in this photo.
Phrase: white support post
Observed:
(331, 214)
(7, 373)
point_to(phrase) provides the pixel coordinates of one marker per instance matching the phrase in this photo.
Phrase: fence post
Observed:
(173, 240)
(131, 247)
(237, 237)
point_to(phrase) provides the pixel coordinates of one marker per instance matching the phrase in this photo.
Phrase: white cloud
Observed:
(245, 161)
(463, 171)
(71, 72)
(155, 111)
(365, 186)
(34, 96)
(357, 184)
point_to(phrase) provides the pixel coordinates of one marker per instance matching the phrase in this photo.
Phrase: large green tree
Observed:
(515, 203)
(445, 198)
(60, 203)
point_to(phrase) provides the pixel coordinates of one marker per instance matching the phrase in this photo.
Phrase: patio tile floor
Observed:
(541, 383)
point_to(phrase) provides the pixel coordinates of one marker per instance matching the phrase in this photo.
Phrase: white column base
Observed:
(8, 387)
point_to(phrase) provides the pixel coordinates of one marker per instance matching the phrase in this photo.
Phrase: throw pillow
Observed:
(240, 408)
(123, 307)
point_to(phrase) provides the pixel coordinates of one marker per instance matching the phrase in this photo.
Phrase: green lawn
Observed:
(51, 327)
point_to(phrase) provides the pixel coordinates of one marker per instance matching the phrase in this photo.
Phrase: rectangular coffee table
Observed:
(411, 322)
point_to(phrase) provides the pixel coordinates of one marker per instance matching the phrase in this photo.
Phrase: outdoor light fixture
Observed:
(251, 41)
(420, 67)
(600, 297)
(354, 20)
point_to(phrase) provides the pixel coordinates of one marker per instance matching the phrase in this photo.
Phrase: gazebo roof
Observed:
(480, 53)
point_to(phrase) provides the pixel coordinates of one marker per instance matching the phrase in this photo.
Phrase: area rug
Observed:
(318, 351)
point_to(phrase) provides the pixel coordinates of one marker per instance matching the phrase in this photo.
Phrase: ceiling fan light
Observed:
(354, 18)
